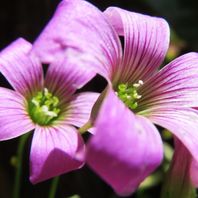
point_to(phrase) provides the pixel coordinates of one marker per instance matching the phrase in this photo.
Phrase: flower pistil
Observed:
(129, 94)
(44, 107)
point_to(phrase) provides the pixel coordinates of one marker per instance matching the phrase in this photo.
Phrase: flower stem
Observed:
(53, 187)
(17, 182)
(85, 127)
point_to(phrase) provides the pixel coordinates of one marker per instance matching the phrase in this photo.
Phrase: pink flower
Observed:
(127, 146)
(138, 97)
(46, 105)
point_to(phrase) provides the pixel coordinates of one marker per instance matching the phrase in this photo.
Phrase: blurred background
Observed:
(22, 18)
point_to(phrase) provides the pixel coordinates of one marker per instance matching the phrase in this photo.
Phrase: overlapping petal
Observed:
(79, 32)
(125, 148)
(14, 120)
(64, 78)
(146, 40)
(182, 122)
(79, 109)
(54, 151)
(22, 72)
(175, 84)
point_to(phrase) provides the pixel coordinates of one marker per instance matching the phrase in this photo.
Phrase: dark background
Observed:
(26, 18)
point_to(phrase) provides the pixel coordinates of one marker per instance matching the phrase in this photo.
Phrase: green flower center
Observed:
(43, 108)
(129, 94)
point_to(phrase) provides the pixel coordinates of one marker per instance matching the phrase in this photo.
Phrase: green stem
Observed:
(53, 187)
(94, 112)
(17, 182)
(85, 127)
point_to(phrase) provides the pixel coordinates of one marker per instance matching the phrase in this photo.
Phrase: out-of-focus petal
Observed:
(182, 122)
(146, 40)
(22, 72)
(79, 32)
(14, 120)
(176, 84)
(125, 148)
(194, 173)
(64, 78)
(54, 151)
(79, 109)
(178, 181)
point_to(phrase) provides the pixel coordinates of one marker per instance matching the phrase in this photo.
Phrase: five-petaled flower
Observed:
(139, 96)
(47, 105)
(127, 146)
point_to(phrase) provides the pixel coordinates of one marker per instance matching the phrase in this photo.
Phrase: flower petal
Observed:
(22, 72)
(146, 42)
(178, 181)
(64, 78)
(54, 151)
(79, 32)
(182, 122)
(194, 173)
(14, 120)
(125, 148)
(79, 109)
(175, 84)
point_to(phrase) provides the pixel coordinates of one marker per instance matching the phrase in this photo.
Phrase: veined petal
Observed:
(54, 151)
(146, 42)
(22, 72)
(64, 78)
(125, 148)
(175, 84)
(80, 32)
(194, 171)
(14, 120)
(182, 122)
(79, 109)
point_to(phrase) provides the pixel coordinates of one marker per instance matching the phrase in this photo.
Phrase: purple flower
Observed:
(46, 105)
(138, 97)
(127, 146)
